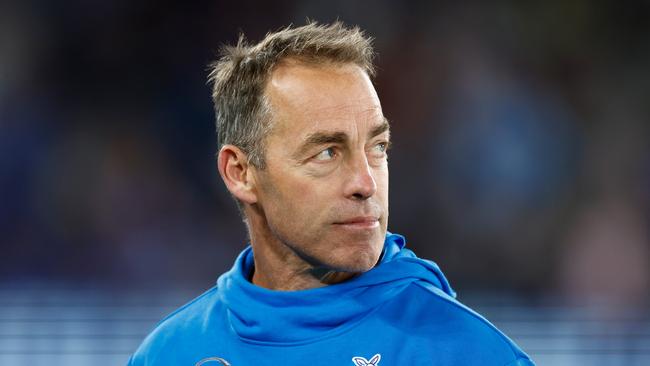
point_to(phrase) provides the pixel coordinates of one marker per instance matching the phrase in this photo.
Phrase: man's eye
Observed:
(381, 147)
(327, 154)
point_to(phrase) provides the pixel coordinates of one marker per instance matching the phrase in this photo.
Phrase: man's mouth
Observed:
(359, 222)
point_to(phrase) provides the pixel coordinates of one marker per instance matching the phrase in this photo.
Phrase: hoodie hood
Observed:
(260, 315)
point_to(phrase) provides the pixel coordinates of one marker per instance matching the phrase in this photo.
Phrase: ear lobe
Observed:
(234, 169)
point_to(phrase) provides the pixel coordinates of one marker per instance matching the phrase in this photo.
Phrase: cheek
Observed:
(294, 203)
(310, 204)
(381, 179)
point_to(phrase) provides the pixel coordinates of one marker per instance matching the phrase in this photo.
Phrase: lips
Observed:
(360, 222)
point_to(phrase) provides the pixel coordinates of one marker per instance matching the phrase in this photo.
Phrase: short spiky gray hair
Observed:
(239, 77)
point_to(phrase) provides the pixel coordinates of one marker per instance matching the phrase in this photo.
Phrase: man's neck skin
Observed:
(278, 267)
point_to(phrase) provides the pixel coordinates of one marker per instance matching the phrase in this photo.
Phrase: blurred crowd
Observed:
(521, 157)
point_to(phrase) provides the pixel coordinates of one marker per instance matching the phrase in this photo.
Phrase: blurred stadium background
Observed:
(521, 165)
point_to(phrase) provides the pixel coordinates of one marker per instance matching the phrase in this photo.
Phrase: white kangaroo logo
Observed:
(360, 361)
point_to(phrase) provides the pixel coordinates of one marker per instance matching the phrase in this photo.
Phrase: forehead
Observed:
(307, 97)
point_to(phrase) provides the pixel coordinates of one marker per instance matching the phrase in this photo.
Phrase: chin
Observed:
(365, 267)
(359, 259)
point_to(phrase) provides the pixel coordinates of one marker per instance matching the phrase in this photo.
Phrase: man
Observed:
(303, 145)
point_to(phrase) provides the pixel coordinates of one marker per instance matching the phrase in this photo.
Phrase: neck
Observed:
(293, 279)
(279, 267)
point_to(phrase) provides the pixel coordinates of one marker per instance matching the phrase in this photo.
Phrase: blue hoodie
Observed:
(402, 312)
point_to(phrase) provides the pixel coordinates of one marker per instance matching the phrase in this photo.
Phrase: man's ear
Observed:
(235, 171)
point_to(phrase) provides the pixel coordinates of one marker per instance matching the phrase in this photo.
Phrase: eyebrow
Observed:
(378, 130)
(337, 137)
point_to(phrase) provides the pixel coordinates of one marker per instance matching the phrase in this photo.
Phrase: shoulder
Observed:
(435, 315)
(192, 310)
(179, 327)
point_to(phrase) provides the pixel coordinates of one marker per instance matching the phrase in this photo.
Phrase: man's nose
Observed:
(361, 183)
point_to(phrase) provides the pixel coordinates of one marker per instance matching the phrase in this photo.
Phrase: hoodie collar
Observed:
(260, 315)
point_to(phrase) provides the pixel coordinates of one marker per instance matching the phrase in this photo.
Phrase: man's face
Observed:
(324, 190)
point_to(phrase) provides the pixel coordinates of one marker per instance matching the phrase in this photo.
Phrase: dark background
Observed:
(521, 160)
